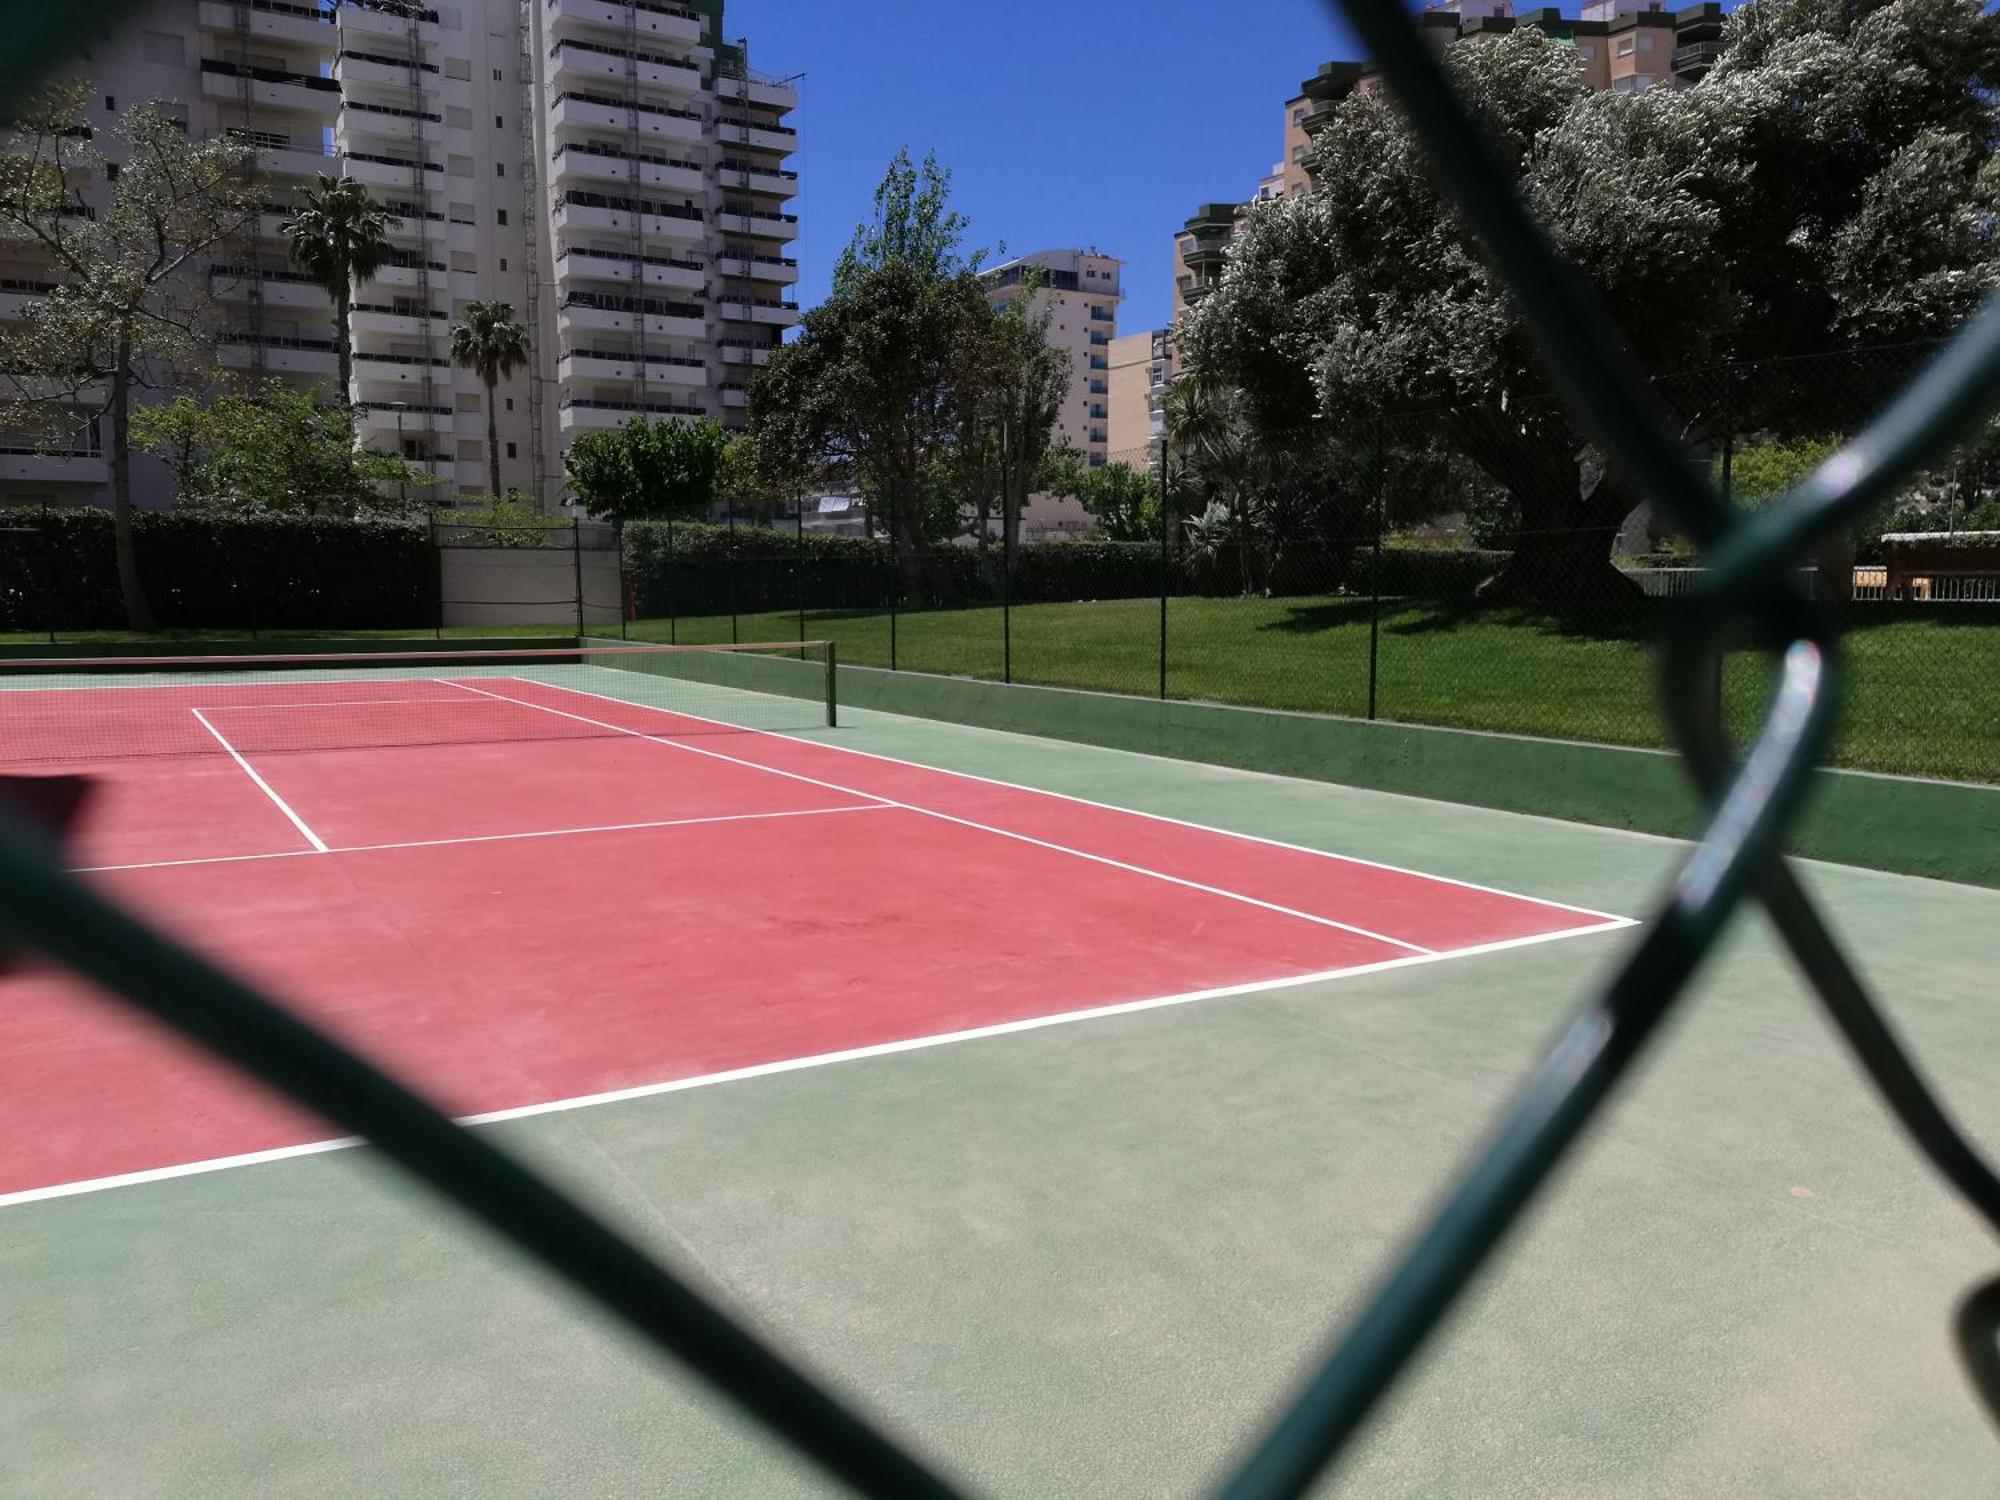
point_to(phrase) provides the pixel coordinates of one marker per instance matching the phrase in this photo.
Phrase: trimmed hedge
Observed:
(694, 568)
(58, 571)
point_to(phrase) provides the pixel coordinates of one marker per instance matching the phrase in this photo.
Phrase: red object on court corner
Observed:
(51, 803)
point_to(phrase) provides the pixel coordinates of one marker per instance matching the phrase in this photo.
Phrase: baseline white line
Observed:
(1137, 812)
(1005, 833)
(489, 838)
(800, 1064)
(262, 785)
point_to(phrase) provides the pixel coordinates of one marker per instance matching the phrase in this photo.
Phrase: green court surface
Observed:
(1085, 1259)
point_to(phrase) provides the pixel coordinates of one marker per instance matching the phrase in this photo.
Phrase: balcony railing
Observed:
(626, 356)
(732, 164)
(633, 259)
(649, 5)
(261, 273)
(401, 9)
(624, 54)
(270, 75)
(667, 408)
(407, 163)
(652, 307)
(278, 341)
(388, 109)
(633, 205)
(391, 311)
(608, 101)
(619, 153)
(286, 8)
(382, 60)
(398, 359)
(765, 125)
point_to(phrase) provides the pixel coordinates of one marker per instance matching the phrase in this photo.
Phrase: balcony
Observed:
(16, 296)
(1100, 388)
(577, 111)
(756, 135)
(757, 310)
(1203, 254)
(281, 353)
(645, 270)
(735, 395)
(755, 88)
(583, 213)
(383, 70)
(385, 18)
(574, 62)
(386, 122)
(27, 465)
(407, 271)
(605, 312)
(287, 289)
(768, 226)
(599, 163)
(614, 365)
(580, 414)
(272, 88)
(759, 267)
(289, 21)
(757, 177)
(397, 420)
(669, 23)
(378, 169)
(1696, 58)
(385, 320)
(739, 352)
(383, 376)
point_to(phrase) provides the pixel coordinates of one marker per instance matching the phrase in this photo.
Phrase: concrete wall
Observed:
(527, 586)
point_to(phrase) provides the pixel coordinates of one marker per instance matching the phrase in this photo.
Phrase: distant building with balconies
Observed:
(611, 168)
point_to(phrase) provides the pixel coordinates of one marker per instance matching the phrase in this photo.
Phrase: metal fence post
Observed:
(895, 577)
(576, 569)
(1006, 589)
(1375, 572)
(1728, 498)
(673, 612)
(735, 573)
(799, 567)
(48, 574)
(1166, 558)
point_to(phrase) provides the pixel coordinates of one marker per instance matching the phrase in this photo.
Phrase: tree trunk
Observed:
(493, 441)
(1561, 554)
(138, 610)
(343, 347)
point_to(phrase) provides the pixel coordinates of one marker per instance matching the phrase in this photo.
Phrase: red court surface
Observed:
(524, 896)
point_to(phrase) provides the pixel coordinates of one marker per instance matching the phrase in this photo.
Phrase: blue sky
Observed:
(1103, 123)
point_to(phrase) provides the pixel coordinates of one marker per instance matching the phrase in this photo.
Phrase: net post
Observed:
(832, 690)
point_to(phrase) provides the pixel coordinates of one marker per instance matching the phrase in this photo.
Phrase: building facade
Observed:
(615, 171)
(1142, 367)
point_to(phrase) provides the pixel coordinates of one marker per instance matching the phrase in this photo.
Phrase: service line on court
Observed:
(489, 838)
(319, 844)
(812, 1060)
(992, 828)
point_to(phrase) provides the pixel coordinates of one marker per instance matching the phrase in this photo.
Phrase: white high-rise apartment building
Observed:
(613, 170)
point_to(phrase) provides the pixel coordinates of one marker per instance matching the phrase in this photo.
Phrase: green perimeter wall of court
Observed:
(1947, 830)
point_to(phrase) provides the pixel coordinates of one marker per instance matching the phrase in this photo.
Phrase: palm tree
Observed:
(340, 234)
(489, 341)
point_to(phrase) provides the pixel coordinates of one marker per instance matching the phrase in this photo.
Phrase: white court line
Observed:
(487, 838)
(262, 785)
(1137, 812)
(799, 1064)
(930, 812)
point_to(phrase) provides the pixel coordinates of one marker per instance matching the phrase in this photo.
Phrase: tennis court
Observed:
(788, 1000)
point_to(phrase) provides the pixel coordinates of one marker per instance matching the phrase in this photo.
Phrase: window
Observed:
(510, 403)
(500, 215)
(471, 448)
(1645, 44)
(499, 123)
(458, 117)
(503, 262)
(510, 451)
(111, 104)
(1625, 46)
(464, 260)
(499, 169)
(496, 76)
(1298, 116)
(458, 67)
(111, 171)
(470, 401)
(462, 213)
(461, 166)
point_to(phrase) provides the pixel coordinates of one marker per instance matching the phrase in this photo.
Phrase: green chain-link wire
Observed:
(1738, 855)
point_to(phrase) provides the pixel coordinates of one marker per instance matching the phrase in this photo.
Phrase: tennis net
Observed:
(74, 711)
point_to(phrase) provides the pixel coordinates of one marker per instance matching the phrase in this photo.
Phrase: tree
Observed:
(872, 390)
(1122, 502)
(649, 470)
(1829, 184)
(914, 227)
(489, 342)
(133, 299)
(1025, 381)
(340, 234)
(274, 451)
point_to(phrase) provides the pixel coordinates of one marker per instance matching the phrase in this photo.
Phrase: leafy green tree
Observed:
(649, 471)
(1123, 503)
(1830, 184)
(489, 342)
(340, 234)
(914, 227)
(274, 451)
(873, 390)
(132, 308)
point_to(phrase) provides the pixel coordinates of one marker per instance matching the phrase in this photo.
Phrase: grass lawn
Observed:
(1923, 694)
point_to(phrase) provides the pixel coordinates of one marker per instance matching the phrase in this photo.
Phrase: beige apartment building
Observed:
(1622, 45)
(1079, 291)
(1142, 367)
(613, 170)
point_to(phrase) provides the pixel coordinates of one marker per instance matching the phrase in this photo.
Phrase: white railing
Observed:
(1870, 584)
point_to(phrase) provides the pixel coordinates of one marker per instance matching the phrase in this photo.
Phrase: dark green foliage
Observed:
(263, 572)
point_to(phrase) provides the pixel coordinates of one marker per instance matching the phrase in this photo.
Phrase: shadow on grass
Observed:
(1421, 617)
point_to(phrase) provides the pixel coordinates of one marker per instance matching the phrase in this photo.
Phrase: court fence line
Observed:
(1754, 796)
